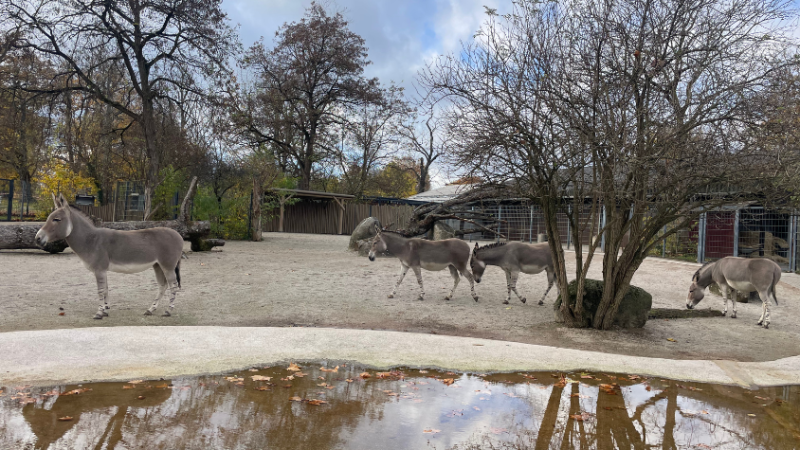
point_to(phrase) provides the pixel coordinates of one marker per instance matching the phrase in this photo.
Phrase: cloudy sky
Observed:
(401, 34)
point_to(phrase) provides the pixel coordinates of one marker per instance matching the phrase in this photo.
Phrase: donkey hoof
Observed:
(541, 302)
(733, 315)
(523, 299)
(724, 313)
(420, 298)
(447, 298)
(98, 316)
(390, 296)
(766, 326)
(475, 298)
(148, 313)
(758, 324)
(166, 314)
(505, 302)
(105, 314)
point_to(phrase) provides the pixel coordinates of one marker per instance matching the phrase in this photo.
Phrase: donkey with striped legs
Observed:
(742, 274)
(513, 258)
(419, 254)
(102, 250)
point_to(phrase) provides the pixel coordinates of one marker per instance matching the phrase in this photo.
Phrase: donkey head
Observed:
(58, 225)
(476, 264)
(695, 295)
(378, 245)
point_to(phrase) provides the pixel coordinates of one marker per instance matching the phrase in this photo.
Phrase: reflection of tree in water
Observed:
(94, 406)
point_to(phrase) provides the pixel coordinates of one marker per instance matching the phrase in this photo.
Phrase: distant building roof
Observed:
(442, 194)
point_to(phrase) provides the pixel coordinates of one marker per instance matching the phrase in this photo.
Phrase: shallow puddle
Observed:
(327, 405)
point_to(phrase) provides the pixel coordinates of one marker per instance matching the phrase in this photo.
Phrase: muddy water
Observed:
(322, 407)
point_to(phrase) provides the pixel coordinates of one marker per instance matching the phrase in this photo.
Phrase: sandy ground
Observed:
(312, 280)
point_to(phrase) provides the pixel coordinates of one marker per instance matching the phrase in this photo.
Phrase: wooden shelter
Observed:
(339, 200)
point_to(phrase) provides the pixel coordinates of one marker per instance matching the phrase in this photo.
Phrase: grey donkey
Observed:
(419, 254)
(513, 258)
(102, 250)
(742, 274)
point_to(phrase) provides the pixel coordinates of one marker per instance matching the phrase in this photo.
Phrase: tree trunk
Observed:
(148, 124)
(256, 224)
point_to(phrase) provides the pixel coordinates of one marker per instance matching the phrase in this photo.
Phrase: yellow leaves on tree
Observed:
(57, 178)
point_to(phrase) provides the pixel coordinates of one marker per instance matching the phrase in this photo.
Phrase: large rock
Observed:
(740, 297)
(632, 313)
(367, 229)
(442, 231)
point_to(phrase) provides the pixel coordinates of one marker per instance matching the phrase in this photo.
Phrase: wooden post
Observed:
(340, 202)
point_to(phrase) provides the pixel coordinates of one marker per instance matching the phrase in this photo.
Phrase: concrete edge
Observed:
(125, 353)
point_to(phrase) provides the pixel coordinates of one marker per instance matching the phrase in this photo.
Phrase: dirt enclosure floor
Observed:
(312, 280)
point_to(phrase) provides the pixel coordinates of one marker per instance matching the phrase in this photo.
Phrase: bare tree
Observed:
(638, 107)
(370, 137)
(428, 139)
(314, 71)
(161, 45)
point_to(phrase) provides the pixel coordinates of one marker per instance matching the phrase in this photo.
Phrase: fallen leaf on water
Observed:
(162, 386)
(751, 415)
(295, 399)
(704, 412)
(65, 418)
(263, 388)
(349, 380)
(289, 378)
(431, 430)
(761, 398)
(234, 379)
(365, 375)
(530, 377)
(423, 371)
(254, 370)
(300, 374)
(335, 369)
(316, 402)
(135, 381)
(260, 378)
(580, 417)
(580, 396)
(77, 391)
(448, 381)
(293, 367)
(476, 408)
(141, 397)
(128, 387)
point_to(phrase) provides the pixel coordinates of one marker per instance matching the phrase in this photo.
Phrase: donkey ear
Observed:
(55, 201)
(63, 200)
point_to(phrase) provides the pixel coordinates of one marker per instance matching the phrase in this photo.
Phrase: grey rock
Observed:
(442, 231)
(367, 229)
(632, 313)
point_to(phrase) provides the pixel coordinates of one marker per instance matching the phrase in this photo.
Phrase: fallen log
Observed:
(21, 235)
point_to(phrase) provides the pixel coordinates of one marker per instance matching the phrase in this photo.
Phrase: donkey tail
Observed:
(178, 274)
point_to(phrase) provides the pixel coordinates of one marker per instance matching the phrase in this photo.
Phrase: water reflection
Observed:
(311, 408)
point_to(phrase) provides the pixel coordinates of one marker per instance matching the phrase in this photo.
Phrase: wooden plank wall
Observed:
(323, 217)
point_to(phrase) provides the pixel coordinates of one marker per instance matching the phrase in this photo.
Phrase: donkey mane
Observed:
(486, 247)
(86, 216)
(696, 275)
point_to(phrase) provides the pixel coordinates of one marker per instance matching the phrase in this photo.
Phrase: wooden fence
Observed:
(104, 212)
(321, 217)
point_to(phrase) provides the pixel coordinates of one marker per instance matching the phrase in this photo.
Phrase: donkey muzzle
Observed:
(40, 239)
(371, 256)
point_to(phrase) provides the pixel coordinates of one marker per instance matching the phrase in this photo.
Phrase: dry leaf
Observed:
(77, 391)
(335, 369)
(65, 418)
(580, 417)
(349, 380)
(141, 397)
(423, 371)
(448, 381)
(293, 367)
(365, 375)
(671, 340)
(260, 378)
(316, 402)
(128, 387)
(432, 431)
(61, 314)
(263, 388)
(135, 381)
(295, 399)
(476, 408)
(253, 370)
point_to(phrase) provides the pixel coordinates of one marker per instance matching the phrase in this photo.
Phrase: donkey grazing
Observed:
(429, 255)
(742, 274)
(102, 250)
(513, 258)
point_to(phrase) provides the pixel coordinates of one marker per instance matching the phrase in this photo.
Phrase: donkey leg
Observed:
(403, 270)
(172, 281)
(508, 287)
(418, 273)
(456, 279)
(514, 278)
(471, 280)
(766, 307)
(551, 280)
(102, 292)
(162, 286)
(725, 291)
(763, 297)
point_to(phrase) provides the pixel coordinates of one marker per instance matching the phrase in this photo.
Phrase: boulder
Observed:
(367, 229)
(632, 313)
(442, 231)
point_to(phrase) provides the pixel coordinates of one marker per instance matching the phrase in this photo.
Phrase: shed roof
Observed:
(314, 194)
(442, 194)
